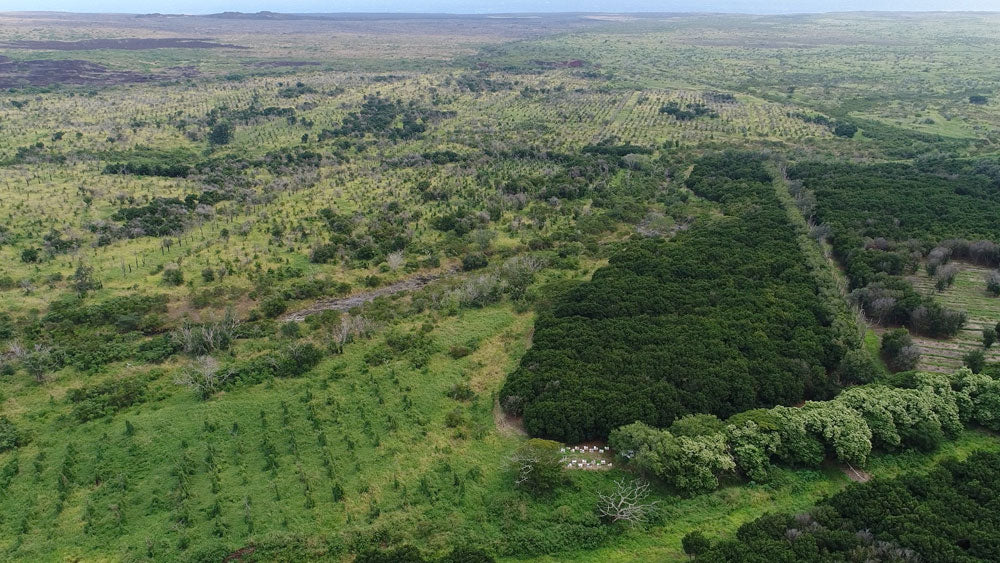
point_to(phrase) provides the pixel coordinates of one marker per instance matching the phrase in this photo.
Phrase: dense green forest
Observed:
(885, 220)
(950, 513)
(721, 319)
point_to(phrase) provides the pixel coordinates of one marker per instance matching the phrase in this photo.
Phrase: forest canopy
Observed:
(949, 514)
(722, 319)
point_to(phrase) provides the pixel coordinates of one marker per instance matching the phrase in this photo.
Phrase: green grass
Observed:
(968, 294)
(407, 476)
(719, 514)
(355, 413)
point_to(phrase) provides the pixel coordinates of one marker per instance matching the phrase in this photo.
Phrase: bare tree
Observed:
(944, 276)
(395, 260)
(351, 327)
(881, 307)
(627, 503)
(197, 340)
(203, 377)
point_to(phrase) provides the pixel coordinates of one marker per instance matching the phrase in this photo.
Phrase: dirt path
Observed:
(348, 303)
(856, 475)
(507, 425)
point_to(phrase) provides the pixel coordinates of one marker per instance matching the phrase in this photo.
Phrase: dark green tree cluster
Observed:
(886, 218)
(106, 398)
(384, 117)
(948, 514)
(722, 319)
(146, 161)
(688, 112)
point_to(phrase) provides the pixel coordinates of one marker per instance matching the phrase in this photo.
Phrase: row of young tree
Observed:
(921, 412)
(724, 318)
(949, 514)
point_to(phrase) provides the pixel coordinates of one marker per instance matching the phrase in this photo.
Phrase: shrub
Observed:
(106, 398)
(858, 368)
(459, 351)
(298, 359)
(974, 360)
(899, 351)
(993, 283)
(402, 554)
(461, 392)
(473, 262)
(291, 330)
(10, 437)
(465, 554)
(989, 336)
(221, 134)
(30, 255)
(273, 306)
(454, 418)
(172, 275)
(695, 543)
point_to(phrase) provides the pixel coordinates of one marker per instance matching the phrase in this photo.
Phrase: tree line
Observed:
(920, 412)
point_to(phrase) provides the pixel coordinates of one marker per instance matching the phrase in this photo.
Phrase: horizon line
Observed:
(487, 13)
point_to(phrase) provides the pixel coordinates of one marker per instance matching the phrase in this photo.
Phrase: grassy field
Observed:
(968, 294)
(544, 146)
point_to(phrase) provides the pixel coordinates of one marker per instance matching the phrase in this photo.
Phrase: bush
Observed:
(30, 255)
(298, 359)
(695, 543)
(461, 392)
(454, 418)
(403, 554)
(474, 262)
(106, 398)
(989, 336)
(172, 275)
(465, 554)
(858, 368)
(221, 134)
(993, 283)
(974, 360)
(459, 351)
(291, 330)
(273, 306)
(899, 351)
(10, 437)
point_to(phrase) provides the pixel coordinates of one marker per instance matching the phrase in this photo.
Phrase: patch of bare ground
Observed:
(855, 474)
(506, 424)
(350, 302)
(239, 554)
(126, 44)
(15, 74)
(276, 64)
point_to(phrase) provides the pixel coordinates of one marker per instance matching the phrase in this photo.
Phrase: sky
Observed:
(492, 6)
